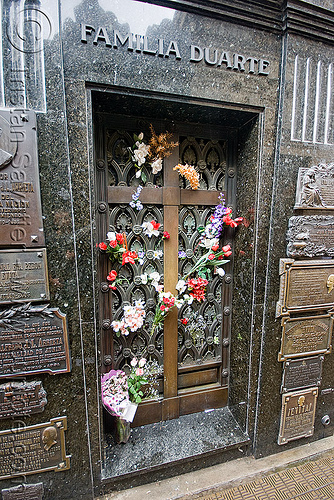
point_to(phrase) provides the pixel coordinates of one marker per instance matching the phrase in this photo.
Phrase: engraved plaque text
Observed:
(306, 336)
(305, 285)
(315, 187)
(33, 340)
(24, 492)
(302, 373)
(34, 449)
(23, 276)
(20, 204)
(297, 416)
(21, 398)
(311, 236)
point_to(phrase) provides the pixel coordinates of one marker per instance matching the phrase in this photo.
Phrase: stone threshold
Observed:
(165, 444)
(226, 475)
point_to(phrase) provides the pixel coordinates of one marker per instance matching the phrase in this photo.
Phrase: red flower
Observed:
(166, 235)
(112, 287)
(112, 275)
(102, 246)
(155, 225)
(227, 254)
(197, 287)
(211, 256)
(226, 248)
(184, 321)
(113, 243)
(162, 307)
(129, 257)
(215, 248)
(228, 211)
(119, 238)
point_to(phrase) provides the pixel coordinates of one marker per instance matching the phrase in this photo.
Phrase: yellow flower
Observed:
(189, 172)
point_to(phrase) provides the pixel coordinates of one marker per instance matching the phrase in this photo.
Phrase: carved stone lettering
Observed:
(21, 398)
(311, 236)
(24, 492)
(20, 203)
(315, 187)
(302, 373)
(34, 449)
(23, 276)
(305, 285)
(306, 336)
(33, 340)
(297, 416)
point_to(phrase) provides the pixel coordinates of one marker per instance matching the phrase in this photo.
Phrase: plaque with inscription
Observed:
(23, 276)
(311, 236)
(307, 335)
(297, 416)
(20, 202)
(315, 187)
(33, 339)
(21, 398)
(305, 285)
(302, 373)
(34, 449)
(24, 492)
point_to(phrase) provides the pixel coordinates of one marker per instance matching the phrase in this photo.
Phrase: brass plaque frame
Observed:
(305, 286)
(301, 404)
(301, 373)
(46, 439)
(37, 350)
(21, 222)
(21, 279)
(314, 332)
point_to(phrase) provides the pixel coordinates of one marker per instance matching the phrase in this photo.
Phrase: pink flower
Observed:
(142, 362)
(139, 372)
(133, 361)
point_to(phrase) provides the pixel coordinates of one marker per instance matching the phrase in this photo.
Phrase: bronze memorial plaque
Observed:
(297, 416)
(302, 373)
(24, 492)
(305, 285)
(21, 398)
(33, 339)
(311, 236)
(306, 335)
(315, 187)
(23, 276)
(34, 449)
(20, 203)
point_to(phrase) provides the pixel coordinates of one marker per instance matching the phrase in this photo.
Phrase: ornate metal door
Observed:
(194, 356)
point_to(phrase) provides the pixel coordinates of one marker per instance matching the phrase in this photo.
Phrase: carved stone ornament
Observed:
(315, 187)
(305, 285)
(33, 339)
(311, 236)
(42, 449)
